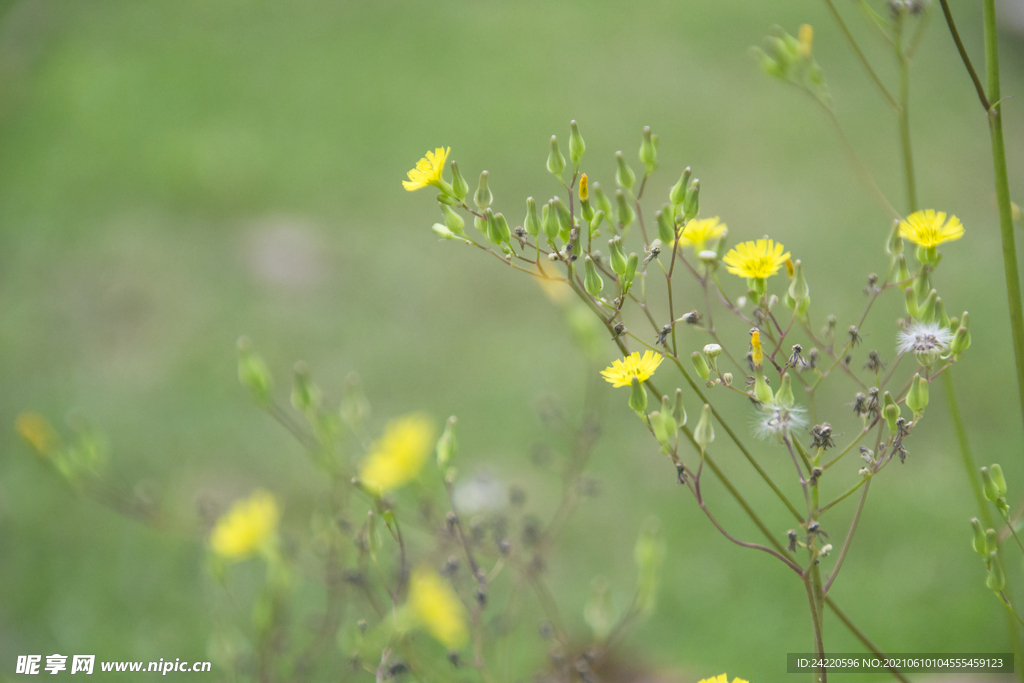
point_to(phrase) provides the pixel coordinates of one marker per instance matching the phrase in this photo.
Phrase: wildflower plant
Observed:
(776, 368)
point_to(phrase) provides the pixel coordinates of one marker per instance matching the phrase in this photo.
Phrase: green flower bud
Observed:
(990, 486)
(638, 397)
(306, 396)
(991, 541)
(691, 201)
(531, 223)
(679, 412)
(965, 320)
(587, 211)
(668, 415)
(253, 373)
(460, 188)
(929, 256)
(784, 396)
(891, 411)
(593, 282)
(704, 433)
(616, 255)
(917, 399)
(492, 227)
(445, 233)
(678, 193)
(631, 264)
(701, 365)
(666, 225)
(911, 300)
(922, 283)
(556, 162)
(601, 200)
(978, 542)
(596, 223)
(649, 150)
(894, 245)
(660, 429)
(564, 220)
(798, 288)
(576, 145)
(996, 580)
(549, 219)
(447, 446)
(483, 197)
(625, 212)
(762, 392)
(961, 341)
(941, 316)
(927, 311)
(624, 176)
(503, 229)
(453, 220)
(902, 272)
(996, 471)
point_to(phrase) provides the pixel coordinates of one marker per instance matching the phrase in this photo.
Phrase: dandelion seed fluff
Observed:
(927, 341)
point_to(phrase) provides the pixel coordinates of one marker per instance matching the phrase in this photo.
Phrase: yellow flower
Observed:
(397, 457)
(436, 606)
(700, 230)
(722, 678)
(760, 259)
(37, 431)
(428, 170)
(930, 228)
(584, 190)
(758, 353)
(250, 525)
(622, 371)
(806, 37)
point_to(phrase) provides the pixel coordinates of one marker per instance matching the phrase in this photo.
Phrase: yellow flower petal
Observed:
(699, 231)
(622, 371)
(930, 228)
(436, 606)
(247, 527)
(428, 170)
(398, 456)
(756, 259)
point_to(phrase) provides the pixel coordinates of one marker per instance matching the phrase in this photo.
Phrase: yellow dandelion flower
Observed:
(437, 608)
(250, 525)
(622, 371)
(584, 189)
(756, 259)
(37, 431)
(722, 678)
(428, 170)
(701, 230)
(930, 228)
(758, 353)
(397, 457)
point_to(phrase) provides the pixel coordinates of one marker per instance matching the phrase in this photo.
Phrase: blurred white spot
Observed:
(286, 252)
(481, 493)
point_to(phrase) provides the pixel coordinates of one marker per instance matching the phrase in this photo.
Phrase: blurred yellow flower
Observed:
(806, 37)
(37, 431)
(622, 371)
(760, 259)
(397, 457)
(428, 170)
(721, 678)
(930, 228)
(699, 230)
(437, 608)
(250, 525)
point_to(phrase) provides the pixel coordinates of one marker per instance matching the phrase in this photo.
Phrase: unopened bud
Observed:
(460, 188)
(679, 410)
(625, 212)
(666, 225)
(556, 162)
(617, 257)
(483, 196)
(784, 396)
(593, 282)
(990, 486)
(627, 278)
(447, 445)
(691, 201)
(624, 175)
(917, 399)
(576, 145)
(678, 193)
(978, 542)
(700, 365)
(996, 580)
(649, 150)
(638, 397)
(532, 221)
(704, 433)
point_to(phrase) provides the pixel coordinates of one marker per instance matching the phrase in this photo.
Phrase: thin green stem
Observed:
(861, 57)
(995, 122)
(908, 159)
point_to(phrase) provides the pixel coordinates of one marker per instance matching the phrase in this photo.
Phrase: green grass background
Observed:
(148, 150)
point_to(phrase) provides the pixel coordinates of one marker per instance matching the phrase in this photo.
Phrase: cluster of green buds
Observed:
(986, 544)
(667, 422)
(994, 487)
(789, 58)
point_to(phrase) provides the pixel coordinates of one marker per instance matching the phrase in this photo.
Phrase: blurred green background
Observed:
(174, 174)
